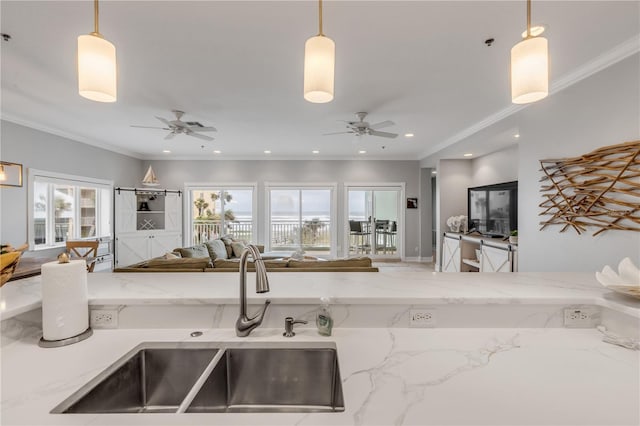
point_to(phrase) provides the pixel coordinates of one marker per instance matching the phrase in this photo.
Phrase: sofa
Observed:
(223, 255)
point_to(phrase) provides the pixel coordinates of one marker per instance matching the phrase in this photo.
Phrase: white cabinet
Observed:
(148, 223)
(450, 254)
(139, 246)
(468, 253)
(495, 259)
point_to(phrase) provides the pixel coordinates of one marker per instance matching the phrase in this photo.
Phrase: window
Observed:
(65, 207)
(214, 211)
(302, 218)
(374, 214)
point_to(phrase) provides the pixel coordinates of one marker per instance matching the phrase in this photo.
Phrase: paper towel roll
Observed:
(65, 306)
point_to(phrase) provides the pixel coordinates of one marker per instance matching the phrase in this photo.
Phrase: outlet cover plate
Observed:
(103, 318)
(422, 318)
(581, 317)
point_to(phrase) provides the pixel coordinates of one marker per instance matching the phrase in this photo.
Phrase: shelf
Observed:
(471, 262)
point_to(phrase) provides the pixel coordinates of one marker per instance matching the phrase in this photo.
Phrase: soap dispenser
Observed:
(323, 318)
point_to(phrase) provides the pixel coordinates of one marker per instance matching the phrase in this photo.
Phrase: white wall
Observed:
(601, 110)
(497, 167)
(44, 151)
(454, 177)
(173, 174)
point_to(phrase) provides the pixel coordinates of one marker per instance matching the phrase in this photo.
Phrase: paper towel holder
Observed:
(64, 342)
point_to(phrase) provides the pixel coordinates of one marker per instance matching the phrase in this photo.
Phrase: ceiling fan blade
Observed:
(383, 134)
(150, 127)
(202, 129)
(199, 136)
(164, 120)
(382, 124)
(170, 136)
(335, 133)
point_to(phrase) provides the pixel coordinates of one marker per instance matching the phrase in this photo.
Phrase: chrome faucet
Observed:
(244, 324)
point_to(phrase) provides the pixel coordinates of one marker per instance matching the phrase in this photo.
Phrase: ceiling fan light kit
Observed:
(177, 127)
(530, 67)
(97, 68)
(319, 66)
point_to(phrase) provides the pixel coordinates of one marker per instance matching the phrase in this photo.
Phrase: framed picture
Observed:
(10, 174)
(412, 203)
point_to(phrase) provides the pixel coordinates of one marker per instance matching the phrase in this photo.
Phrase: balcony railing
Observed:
(285, 235)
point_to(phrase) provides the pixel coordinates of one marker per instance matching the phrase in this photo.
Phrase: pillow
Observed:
(227, 243)
(172, 255)
(238, 247)
(217, 249)
(180, 263)
(197, 252)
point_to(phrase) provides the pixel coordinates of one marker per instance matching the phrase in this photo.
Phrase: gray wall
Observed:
(498, 167)
(426, 214)
(454, 177)
(601, 110)
(44, 151)
(173, 174)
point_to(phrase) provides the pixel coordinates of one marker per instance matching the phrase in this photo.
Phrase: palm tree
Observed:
(201, 205)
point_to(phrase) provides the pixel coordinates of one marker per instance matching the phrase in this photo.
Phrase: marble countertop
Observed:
(390, 376)
(353, 288)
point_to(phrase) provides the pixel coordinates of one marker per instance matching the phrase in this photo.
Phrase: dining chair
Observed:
(85, 249)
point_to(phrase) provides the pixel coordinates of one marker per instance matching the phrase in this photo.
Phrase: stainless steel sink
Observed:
(214, 378)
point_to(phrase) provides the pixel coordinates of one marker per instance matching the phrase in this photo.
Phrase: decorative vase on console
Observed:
(457, 223)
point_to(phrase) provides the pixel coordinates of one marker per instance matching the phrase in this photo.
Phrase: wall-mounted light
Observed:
(97, 71)
(529, 67)
(10, 174)
(319, 65)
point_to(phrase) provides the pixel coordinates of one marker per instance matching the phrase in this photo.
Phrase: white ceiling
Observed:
(238, 66)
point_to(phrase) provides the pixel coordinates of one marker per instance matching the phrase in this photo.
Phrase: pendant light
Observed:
(96, 65)
(3, 174)
(319, 64)
(529, 67)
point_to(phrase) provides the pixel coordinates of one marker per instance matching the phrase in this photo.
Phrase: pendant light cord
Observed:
(96, 28)
(319, 17)
(528, 18)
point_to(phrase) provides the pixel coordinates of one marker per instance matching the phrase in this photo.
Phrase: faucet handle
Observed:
(288, 326)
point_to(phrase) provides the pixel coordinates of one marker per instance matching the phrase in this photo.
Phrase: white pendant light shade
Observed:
(96, 68)
(319, 65)
(530, 70)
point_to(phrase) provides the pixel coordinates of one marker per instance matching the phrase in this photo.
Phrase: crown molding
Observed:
(72, 137)
(599, 63)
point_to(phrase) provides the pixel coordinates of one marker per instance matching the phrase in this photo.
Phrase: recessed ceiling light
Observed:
(468, 154)
(362, 151)
(408, 135)
(166, 151)
(536, 30)
(315, 151)
(216, 151)
(267, 152)
(433, 172)
(517, 135)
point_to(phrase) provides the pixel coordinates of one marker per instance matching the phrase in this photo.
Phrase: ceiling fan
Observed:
(177, 127)
(362, 128)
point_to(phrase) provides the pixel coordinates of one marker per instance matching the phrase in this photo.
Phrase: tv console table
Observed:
(475, 253)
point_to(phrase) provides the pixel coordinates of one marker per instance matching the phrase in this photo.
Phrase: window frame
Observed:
(333, 208)
(189, 187)
(104, 192)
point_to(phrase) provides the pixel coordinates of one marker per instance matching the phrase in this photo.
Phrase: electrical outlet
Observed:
(422, 318)
(580, 317)
(103, 318)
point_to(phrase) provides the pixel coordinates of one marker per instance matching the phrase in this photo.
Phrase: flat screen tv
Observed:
(493, 209)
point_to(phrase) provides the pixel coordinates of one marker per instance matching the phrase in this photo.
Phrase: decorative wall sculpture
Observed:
(600, 189)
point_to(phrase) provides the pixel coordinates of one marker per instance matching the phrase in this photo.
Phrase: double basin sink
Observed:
(215, 378)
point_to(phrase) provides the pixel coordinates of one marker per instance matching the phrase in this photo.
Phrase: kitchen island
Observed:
(498, 353)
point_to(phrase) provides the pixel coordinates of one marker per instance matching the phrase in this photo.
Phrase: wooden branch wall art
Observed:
(600, 189)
